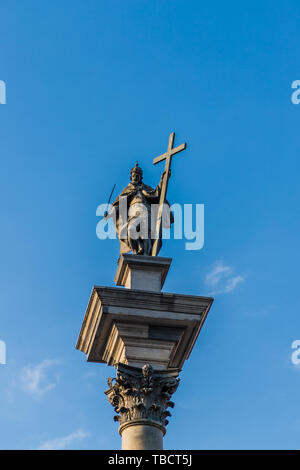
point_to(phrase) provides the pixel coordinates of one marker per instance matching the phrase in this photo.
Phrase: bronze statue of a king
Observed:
(141, 212)
(135, 213)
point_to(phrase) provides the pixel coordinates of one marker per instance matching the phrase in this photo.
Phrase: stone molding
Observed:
(142, 272)
(137, 344)
(160, 312)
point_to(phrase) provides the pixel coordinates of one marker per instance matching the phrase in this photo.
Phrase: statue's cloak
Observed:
(151, 196)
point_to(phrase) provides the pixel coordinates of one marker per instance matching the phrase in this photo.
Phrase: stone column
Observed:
(141, 398)
(147, 335)
(141, 437)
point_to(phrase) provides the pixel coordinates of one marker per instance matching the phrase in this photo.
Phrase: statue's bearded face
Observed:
(136, 177)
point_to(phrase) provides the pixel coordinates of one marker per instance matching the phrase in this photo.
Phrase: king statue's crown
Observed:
(136, 169)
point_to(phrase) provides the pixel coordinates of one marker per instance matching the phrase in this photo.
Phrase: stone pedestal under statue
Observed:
(146, 335)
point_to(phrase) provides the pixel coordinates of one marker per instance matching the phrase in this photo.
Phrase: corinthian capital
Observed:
(142, 395)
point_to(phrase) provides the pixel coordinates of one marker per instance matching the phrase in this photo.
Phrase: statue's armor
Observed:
(139, 206)
(135, 231)
(139, 215)
(139, 197)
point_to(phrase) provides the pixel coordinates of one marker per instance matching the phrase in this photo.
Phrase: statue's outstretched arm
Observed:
(113, 210)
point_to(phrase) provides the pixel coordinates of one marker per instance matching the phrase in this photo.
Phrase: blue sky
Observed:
(93, 86)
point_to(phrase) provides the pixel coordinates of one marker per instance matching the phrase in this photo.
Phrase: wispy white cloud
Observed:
(232, 283)
(222, 279)
(37, 380)
(60, 443)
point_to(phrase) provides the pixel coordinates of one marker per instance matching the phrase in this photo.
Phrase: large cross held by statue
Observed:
(168, 157)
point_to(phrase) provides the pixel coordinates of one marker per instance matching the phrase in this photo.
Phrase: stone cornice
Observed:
(118, 296)
(108, 305)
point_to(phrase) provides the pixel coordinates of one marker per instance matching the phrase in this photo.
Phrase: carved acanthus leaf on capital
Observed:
(142, 394)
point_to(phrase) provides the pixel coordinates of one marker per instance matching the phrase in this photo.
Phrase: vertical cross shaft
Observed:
(168, 157)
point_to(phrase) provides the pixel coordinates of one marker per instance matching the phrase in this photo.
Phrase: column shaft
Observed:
(142, 437)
